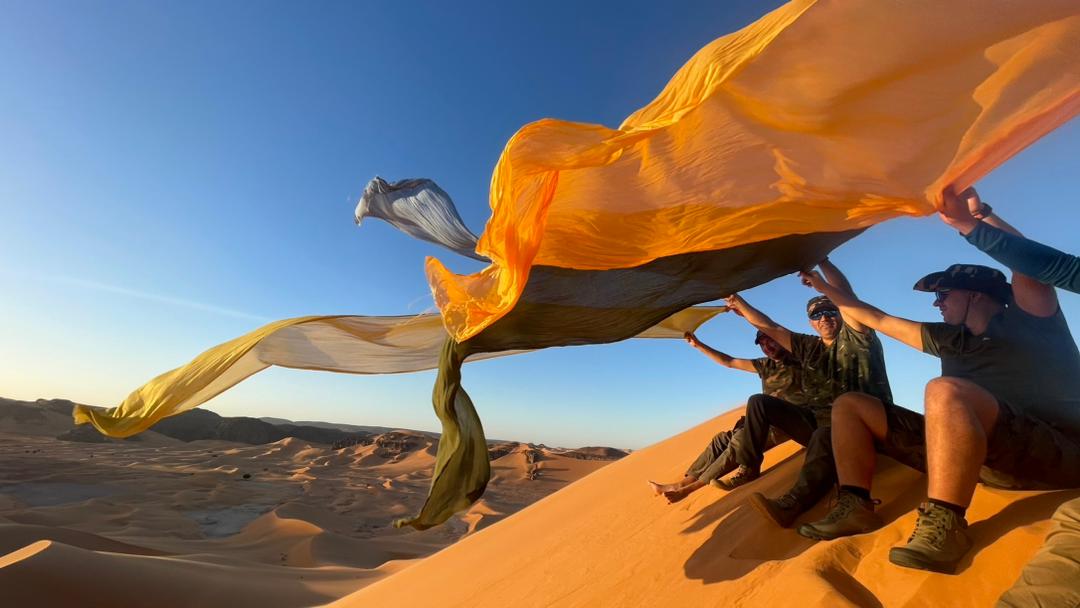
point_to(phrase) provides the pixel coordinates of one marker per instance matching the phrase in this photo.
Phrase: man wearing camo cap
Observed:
(844, 356)
(1008, 399)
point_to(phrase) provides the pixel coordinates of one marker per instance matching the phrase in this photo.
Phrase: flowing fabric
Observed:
(820, 117)
(769, 148)
(421, 209)
(346, 344)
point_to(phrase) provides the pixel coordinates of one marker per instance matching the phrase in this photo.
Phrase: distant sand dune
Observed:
(158, 521)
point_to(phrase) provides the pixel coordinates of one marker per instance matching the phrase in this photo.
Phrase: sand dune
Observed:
(163, 522)
(607, 541)
(292, 523)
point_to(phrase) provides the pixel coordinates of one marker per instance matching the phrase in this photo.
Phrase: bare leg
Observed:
(959, 418)
(661, 488)
(857, 420)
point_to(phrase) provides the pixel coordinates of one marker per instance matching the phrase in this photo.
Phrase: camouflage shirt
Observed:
(853, 362)
(781, 379)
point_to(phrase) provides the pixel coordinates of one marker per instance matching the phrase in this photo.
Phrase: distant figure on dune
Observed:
(844, 356)
(1008, 400)
(781, 377)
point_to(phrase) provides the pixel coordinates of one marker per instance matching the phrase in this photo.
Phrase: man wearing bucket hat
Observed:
(781, 377)
(1050, 578)
(844, 356)
(1008, 400)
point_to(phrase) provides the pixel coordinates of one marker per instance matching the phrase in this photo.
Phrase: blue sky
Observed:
(173, 175)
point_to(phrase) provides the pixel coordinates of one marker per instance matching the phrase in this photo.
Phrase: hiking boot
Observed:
(938, 542)
(852, 515)
(742, 476)
(783, 510)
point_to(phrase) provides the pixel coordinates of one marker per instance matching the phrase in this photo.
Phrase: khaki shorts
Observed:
(905, 440)
(1026, 453)
(1023, 453)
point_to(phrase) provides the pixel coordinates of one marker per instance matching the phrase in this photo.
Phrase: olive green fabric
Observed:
(1031, 363)
(563, 307)
(1052, 578)
(854, 362)
(462, 468)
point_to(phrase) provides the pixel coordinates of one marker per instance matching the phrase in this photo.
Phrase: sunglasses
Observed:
(941, 294)
(820, 314)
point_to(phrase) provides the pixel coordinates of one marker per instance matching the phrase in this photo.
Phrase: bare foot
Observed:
(674, 496)
(661, 488)
(681, 491)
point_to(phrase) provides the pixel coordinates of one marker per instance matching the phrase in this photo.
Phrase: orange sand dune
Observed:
(162, 522)
(607, 541)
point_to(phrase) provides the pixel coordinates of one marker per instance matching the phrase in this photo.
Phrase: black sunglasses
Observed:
(818, 314)
(941, 294)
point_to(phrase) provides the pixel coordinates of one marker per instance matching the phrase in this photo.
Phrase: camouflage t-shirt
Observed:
(781, 379)
(854, 362)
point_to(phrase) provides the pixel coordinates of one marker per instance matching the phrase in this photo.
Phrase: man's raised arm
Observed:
(838, 280)
(904, 330)
(964, 212)
(760, 320)
(746, 365)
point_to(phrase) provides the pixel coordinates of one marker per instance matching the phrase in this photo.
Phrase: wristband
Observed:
(985, 211)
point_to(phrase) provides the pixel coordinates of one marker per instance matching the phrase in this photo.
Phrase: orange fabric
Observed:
(820, 117)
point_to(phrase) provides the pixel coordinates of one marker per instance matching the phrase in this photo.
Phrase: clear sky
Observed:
(175, 174)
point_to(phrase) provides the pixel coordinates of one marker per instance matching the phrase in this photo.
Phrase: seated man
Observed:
(781, 377)
(1050, 578)
(844, 356)
(1008, 399)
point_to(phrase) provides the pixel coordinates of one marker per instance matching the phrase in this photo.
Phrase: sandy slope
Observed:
(160, 522)
(607, 541)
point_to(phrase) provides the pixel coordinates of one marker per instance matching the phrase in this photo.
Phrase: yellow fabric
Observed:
(347, 344)
(820, 117)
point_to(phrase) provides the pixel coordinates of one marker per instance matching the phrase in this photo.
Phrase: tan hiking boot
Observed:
(938, 543)
(852, 515)
(783, 510)
(742, 476)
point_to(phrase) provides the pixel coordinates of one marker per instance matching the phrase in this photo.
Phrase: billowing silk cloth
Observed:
(820, 117)
(356, 345)
(769, 148)
(346, 344)
(421, 209)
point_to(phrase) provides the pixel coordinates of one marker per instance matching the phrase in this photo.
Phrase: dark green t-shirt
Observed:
(853, 362)
(1031, 363)
(781, 379)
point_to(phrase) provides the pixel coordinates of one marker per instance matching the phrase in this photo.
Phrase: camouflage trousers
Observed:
(718, 458)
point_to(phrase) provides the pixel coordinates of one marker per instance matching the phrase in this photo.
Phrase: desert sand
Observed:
(608, 541)
(156, 521)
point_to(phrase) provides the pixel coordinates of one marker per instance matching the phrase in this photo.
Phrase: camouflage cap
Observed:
(972, 277)
(759, 336)
(817, 303)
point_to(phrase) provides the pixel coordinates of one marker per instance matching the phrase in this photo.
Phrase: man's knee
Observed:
(756, 403)
(857, 406)
(946, 397)
(946, 390)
